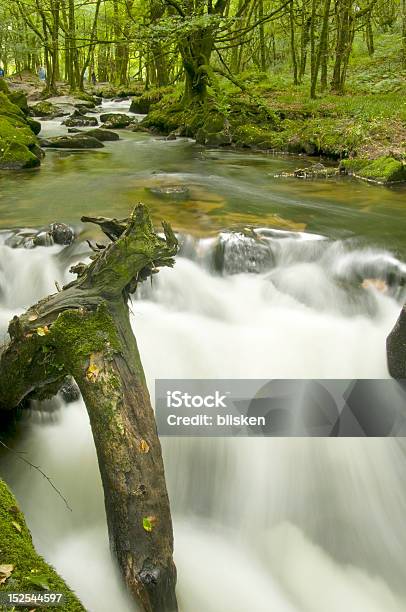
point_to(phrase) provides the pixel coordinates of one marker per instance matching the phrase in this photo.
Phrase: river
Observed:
(289, 525)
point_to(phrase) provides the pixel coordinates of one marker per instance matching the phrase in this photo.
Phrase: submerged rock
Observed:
(179, 192)
(75, 141)
(116, 120)
(103, 134)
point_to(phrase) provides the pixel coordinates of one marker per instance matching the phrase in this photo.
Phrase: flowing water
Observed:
(289, 525)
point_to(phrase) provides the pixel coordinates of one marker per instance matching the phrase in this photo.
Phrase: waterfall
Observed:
(290, 525)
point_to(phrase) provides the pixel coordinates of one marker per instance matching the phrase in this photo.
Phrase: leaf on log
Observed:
(5, 572)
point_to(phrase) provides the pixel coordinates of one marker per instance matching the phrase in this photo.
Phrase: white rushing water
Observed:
(289, 525)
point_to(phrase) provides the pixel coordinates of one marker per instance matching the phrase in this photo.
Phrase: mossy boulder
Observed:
(115, 121)
(16, 156)
(78, 120)
(141, 104)
(382, 170)
(18, 145)
(103, 135)
(8, 108)
(74, 141)
(23, 569)
(3, 86)
(19, 99)
(45, 109)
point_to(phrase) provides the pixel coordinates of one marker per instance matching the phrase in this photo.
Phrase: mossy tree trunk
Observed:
(84, 331)
(396, 347)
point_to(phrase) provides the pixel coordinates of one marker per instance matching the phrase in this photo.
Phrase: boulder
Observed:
(18, 143)
(19, 99)
(56, 233)
(69, 391)
(103, 135)
(17, 156)
(396, 348)
(78, 120)
(46, 110)
(75, 141)
(116, 120)
(61, 233)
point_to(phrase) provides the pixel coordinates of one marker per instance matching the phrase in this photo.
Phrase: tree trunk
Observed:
(196, 52)
(293, 43)
(396, 347)
(404, 34)
(84, 331)
(322, 52)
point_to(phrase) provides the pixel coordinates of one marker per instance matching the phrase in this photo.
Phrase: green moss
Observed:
(8, 108)
(30, 571)
(3, 86)
(16, 156)
(142, 104)
(19, 99)
(381, 170)
(83, 333)
(257, 137)
(18, 142)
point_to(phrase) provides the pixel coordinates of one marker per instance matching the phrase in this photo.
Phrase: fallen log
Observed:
(396, 347)
(84, 331)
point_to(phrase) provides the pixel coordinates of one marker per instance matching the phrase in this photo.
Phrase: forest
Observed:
(314, 77)
(258, 148)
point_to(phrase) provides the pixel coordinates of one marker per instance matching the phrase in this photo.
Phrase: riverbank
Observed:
(263, 117)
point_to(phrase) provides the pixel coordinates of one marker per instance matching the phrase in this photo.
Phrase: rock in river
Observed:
(103, 135)
(116, 120)
(74, 141)
(79, 120)
(177, 192)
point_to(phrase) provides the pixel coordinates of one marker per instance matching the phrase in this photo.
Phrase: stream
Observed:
(288, 525)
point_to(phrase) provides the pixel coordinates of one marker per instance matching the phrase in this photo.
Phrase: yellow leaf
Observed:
(92, 372)
(42, 331)
(144, 446)
(5, 572)
(16, 526)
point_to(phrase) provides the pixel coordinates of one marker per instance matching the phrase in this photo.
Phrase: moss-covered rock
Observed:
(16, 156)
(19, 99)
(3, 86)
(115, 121)
(25, 570)
(381, 170)
(18, 143)
(74, 141)
(45, 109)
(142, 104)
